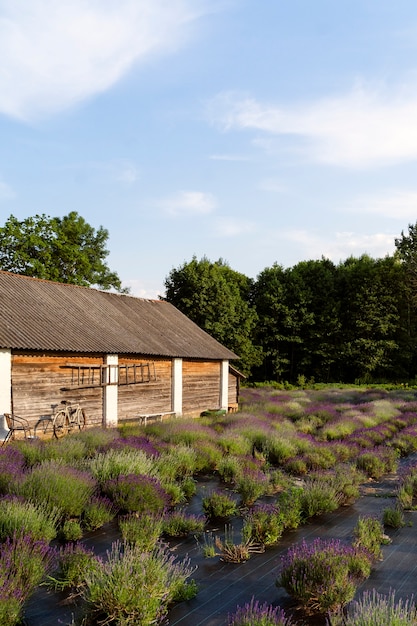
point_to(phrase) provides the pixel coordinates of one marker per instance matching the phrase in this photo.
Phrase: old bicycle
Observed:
(67, 418)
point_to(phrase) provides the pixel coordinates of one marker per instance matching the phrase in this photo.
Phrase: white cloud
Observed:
(397, 204)
(140, 289)
(365, 127)
(232, 227)
(340, 245)
(185, 203)
(56, 53)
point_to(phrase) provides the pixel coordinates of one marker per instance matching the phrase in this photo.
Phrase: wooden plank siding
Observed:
(149, 397)
(39, 380)
(201, 386)
(233, 391)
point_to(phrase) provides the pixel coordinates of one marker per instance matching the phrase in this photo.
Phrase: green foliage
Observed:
(393, 516)
(219, 505)
(143, 531)
(217, 299)
(74, 560)
(374, 609)
(369, 534)
(66, 250)
(71, 530)
(60, 487)
(18, 516)
(137, 493)
(180, 524)
(323, 576)
(264, 524)
(135, 588)
(256, 614)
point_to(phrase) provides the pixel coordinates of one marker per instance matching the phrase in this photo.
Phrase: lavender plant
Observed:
(382, 610)
(18, 516)
(24, 562)
(135, 588)
(142, 530)
(263, 524)
(219, 505)
(179, 524)
(323, 576)
(255, 614)
(137, 493)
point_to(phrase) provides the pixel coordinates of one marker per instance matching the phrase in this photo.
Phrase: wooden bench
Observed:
(143, 417)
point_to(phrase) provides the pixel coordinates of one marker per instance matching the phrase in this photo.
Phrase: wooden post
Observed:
(110, 391)
(224, 385)
(5, 386)
(176, 387)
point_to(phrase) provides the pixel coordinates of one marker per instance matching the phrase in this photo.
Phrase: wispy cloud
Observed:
(397, 204)
(186, 203)
(370, 125)
(55, 54)
(341, 245)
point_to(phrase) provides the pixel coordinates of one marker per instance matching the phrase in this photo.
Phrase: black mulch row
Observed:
(223, 586)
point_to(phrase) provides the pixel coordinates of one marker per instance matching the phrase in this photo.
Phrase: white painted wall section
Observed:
(5, 388)
(177, 386)
(110, 392)
(224, 385)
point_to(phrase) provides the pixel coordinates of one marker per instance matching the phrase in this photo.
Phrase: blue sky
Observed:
(253, 131)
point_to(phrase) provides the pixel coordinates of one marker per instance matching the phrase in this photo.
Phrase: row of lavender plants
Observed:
(306, 453)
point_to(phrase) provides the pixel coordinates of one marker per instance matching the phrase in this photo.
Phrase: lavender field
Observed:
(148, 524)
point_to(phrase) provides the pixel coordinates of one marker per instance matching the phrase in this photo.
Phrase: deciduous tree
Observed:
(66, 250)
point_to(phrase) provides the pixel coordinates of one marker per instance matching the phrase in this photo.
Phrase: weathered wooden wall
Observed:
(148, 397)
(201, 386)
(233, 390)
(38, 381)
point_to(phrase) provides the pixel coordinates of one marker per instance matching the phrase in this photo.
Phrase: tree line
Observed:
(354, 321)
(316, 321)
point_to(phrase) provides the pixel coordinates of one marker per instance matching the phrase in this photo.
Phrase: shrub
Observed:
(178, 462)
(24, 562)
(12, 463)
(323, 575)
(251, 485)
(319, 497)
(290, 506)
(114, 463)
(74, 560)
(143, 531)
(97, 512)
(18, 517)
(137, 493)
(219, 505)
(264, 524)
(59, 486)
(179, 524)
(369, 534)
(255, 614)
(381, 610)
(71, 530)
(229, 469)
(135, 588)
(393, 516)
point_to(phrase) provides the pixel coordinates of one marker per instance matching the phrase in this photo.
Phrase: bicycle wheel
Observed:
(80, 419)
(61, 425)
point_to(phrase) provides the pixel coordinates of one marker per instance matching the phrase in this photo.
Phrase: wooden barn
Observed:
(117, 355)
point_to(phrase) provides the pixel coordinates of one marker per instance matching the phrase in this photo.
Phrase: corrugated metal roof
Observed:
(43, 315)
